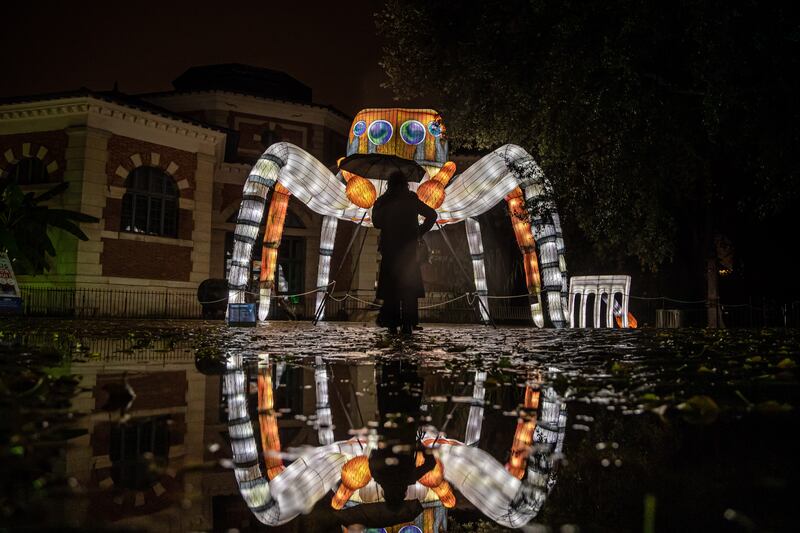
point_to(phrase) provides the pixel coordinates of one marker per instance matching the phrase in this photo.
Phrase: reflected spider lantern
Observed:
(508, 174)
(511, 494)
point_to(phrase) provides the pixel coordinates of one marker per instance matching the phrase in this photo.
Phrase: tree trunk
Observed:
(712, 293)
(713, 309)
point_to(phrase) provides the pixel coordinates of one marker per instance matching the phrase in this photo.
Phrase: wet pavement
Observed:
(192, 426)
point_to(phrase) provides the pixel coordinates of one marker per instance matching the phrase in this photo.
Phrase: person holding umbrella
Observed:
(400, 279)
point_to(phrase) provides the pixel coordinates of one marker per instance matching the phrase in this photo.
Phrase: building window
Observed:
(138, 449)
(291, 259)
(29, 171)
(150, 205)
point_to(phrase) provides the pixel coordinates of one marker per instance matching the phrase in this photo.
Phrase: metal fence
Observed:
(102, 302)
(183, 303)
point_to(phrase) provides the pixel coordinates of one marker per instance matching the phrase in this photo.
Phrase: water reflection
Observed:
(125, 426)
(393, 456)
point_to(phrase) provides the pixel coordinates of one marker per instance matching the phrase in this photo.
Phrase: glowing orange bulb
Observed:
(355, 474)
(432, 193)
(360, 191)
(445, 173)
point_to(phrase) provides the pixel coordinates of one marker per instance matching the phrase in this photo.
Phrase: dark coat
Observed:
(395, 214)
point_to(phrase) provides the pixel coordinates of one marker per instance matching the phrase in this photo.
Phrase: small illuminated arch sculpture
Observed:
(508, 174)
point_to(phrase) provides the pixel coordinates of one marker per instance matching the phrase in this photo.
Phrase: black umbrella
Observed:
(381, 166)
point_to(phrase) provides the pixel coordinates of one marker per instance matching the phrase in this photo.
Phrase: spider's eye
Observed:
(359, 128)
(380, 131)
(435, 128)
(412, 132)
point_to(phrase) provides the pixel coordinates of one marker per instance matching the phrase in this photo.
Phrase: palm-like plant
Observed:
(24, 222)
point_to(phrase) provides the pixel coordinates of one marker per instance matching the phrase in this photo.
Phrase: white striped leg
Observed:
(326, 241)
(324, 420)
(475, 419)
(478, 267)
(305, 178)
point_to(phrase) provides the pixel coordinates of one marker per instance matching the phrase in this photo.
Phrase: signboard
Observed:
(10, 300)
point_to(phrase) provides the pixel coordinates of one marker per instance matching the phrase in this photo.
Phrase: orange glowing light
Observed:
(523, 436)
(355, 475)
(432, 191)
(272, 235)
(268, 423)
(434, 477)
(360, 191)
(524, 236)
(632, 322)
(445, 494)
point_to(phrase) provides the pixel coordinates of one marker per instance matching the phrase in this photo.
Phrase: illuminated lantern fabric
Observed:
(417, 135)
(432, 191)
(523, 436)
(359, 190)
(478, 268)
(317, 471)
(527, 245)
(270, 440)
(326, 240)
(355, 474)
(272, 240)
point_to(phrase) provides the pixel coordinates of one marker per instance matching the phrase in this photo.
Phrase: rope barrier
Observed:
(466, 294)
(471, 297)
(275, 296)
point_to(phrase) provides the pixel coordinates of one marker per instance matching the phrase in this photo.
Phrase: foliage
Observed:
(24, 224)
(655, 122)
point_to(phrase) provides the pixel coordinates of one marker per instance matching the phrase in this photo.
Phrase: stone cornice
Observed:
(90, 105)
(257, 105)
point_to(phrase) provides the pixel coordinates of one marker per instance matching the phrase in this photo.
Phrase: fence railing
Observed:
(182, 303)
(101, 302)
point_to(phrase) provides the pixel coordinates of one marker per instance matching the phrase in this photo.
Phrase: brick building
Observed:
(164, 173)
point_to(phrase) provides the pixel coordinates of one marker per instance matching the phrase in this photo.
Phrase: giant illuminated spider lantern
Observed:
(508, 172)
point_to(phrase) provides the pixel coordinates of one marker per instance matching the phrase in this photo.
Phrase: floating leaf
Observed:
(772, 407)
(699, 409)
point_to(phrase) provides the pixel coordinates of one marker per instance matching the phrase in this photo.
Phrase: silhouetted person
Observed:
(400, 280)
(393, 463)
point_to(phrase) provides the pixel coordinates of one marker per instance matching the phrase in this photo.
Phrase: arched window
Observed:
(151, 203)
(29, 171)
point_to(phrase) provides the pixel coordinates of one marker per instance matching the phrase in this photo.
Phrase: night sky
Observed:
(143, 46)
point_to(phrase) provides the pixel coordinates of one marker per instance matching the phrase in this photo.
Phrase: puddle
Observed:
(187, 426)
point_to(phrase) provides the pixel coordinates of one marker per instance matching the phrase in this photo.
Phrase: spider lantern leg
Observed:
(527, 245)
(268, 422)
(324, 420)
(262, 177)
(326, 241)
(547, 233)
(272, 240)
(478, 268)
(475, 420)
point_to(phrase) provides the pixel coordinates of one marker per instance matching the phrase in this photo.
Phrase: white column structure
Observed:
(478, 268)
(326, 241)
(475, 421)
(324, 420)
(608, 285)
